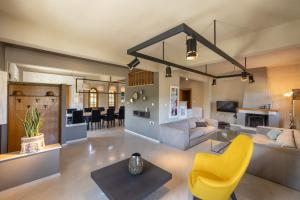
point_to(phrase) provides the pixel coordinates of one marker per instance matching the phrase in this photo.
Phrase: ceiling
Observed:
(105, 29)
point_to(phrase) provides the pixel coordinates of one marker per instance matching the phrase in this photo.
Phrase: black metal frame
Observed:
(85, 79)
(183, 28)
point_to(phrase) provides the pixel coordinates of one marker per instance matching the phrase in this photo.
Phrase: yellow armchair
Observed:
(214, 177)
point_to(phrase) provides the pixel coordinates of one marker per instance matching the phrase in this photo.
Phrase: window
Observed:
(111, 99)
(93, 100)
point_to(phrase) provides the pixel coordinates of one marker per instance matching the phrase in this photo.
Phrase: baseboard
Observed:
(142, 136)
(32, 182)
(74, 141)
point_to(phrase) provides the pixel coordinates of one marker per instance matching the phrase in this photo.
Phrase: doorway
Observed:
(186, 95)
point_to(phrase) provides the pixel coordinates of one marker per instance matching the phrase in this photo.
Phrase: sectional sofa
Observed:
(184, 134)
(277, 159)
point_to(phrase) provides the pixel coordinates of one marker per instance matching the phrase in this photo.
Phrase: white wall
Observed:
(76, 99)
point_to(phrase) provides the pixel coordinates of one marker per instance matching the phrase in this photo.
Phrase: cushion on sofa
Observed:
(286, 139)
(297, 138)
(196, 132)
(192, 122)
(208, 129)
(260, 139)
(274, 133)
(201, 124)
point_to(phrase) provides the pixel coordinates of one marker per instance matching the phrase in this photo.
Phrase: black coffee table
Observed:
(118, 184)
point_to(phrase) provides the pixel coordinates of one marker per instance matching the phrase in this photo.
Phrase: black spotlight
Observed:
(214, 82)
(133, 63)
(168, 72)
(251, 79)
(244, 76)
(191, 49)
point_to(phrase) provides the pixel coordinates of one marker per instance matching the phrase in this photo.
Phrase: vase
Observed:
(135, 165)
(32, 144)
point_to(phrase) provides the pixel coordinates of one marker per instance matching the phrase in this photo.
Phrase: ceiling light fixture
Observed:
(251, 79)
(214, 82)
(133, 63)
(244, 76)
(191, 49)
(168, 72)
(168, 68)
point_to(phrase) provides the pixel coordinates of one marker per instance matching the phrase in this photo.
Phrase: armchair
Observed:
(214, 177)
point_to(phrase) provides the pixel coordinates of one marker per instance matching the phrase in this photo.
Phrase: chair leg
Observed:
(233, 197)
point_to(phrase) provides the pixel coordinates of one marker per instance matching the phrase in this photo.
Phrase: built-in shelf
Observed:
(143, 114)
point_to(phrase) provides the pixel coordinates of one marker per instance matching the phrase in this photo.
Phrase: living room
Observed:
(201, 105)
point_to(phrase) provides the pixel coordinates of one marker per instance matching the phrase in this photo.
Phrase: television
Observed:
(227, 106)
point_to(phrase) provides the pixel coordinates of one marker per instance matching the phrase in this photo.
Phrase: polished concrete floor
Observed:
(111, 145)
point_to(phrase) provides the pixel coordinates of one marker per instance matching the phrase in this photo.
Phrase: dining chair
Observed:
(109, 118)
(96, 118)
(77, 117)
(121, 116)
(88, 109)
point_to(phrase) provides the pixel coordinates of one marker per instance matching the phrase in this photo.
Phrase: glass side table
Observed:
(221, 139)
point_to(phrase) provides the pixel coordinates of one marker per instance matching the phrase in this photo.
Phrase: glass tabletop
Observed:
(224, 135)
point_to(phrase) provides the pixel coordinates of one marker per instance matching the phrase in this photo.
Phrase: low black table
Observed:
(118, 184)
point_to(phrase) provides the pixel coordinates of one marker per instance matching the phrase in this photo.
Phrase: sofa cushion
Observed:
(260, 139)
(286, 139)
(192, 122)
(273, 133)
(297, 138)
(208, 129)
(196, 132)
(201, 124)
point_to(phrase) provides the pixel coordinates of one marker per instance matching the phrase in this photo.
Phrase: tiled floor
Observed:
(110, 145)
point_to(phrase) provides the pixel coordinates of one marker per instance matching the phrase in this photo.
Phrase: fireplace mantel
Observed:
(257, 111)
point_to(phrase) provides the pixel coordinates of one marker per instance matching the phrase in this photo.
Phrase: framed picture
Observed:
(174, 100)
(182, 109)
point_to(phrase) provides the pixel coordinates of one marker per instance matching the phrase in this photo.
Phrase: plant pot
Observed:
(32, 144)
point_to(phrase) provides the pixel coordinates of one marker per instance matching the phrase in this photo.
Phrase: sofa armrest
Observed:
(176, 137)
(212, 122)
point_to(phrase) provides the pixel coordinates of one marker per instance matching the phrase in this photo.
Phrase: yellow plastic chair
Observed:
(214, 177)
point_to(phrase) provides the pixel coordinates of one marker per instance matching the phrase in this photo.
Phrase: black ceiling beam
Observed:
(229, 76)
(164, 62)
(189, 31)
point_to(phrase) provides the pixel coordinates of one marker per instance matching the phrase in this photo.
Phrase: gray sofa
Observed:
(184, 134)
(275, 160)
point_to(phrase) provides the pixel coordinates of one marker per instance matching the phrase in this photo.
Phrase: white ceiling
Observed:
(105, 29)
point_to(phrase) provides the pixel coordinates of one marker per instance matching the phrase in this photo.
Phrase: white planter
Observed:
(32, 144)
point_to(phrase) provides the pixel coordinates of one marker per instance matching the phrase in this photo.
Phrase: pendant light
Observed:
(251, 79)
(244, 76)
(133, 63)
(191, 49)
(214, 82)
(168, 68)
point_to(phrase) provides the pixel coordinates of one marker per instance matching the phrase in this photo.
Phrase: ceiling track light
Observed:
(251, 79)
(168, 68)
(168, 72)
(214, 82)
(191, 49)
(244, 76)
(133, 63)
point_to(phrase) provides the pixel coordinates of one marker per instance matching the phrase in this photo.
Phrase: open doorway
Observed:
(186, 95)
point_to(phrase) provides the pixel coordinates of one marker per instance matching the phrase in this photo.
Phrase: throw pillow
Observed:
(192, 122)
(273, 133)
(201, 124)
(286, 139)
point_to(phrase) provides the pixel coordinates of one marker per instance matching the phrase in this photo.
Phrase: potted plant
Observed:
(33, 141)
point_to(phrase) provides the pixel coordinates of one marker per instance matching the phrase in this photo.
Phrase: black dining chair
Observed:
(87, 109)
(101, 109)
(109, 118)
(121, 116)
(77, 117)
(96, 118)
(111, 107)
(70, 110)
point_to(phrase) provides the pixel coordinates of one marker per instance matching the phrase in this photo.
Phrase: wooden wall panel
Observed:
(33, 95)
(140, 77)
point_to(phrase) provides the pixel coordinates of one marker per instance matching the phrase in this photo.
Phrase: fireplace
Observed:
(254, 120)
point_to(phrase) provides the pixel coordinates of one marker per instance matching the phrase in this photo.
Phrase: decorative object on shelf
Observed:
(33, 140)
(131, 100)
(135, 165)
(174, 100)
(17, 93)
(144, 98)
(50, 94)
(146, 109)
(135, 96)
(141, 92)
(144, 114)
